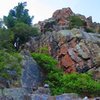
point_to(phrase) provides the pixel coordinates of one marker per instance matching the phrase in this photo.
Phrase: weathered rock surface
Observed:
(74, 49)
(62, 15)
(15, 93)
(60, 20)
(31, 73)
(21, 94)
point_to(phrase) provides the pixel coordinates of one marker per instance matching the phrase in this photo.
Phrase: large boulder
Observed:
(31, 73)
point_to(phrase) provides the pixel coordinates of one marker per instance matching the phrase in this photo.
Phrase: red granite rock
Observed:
(62, 15)
(72, 48)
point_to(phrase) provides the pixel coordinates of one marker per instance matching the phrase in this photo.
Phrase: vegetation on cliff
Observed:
(10, 66)
(18, 32)
(76, 22)
(66, 83)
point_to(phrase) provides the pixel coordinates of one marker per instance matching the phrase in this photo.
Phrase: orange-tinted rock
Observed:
(72, 48)
(62, 15)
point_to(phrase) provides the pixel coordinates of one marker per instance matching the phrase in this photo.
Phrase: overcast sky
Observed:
(43, 9)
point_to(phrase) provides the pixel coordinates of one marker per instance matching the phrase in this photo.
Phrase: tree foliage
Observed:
(18, 14)
(6, 40)
(23, 32)
(45, 61)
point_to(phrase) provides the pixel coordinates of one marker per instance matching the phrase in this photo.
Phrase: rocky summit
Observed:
(61, 19)
(75, 49)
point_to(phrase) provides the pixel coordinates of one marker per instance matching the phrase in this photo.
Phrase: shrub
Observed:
(53, 73)
(81, 83)
(45, 61)
(23, 32)
(10, 66)
(6, 40)
(76, 22)
(59, 82)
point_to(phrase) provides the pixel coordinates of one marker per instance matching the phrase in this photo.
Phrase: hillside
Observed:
(58, 55)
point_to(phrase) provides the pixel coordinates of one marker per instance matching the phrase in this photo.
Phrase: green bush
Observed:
(81, 83)
(45, 61)
(23, 32)
(10, 62)
(6, 40)
(76, 22)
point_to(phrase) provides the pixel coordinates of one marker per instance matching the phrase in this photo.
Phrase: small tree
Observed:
(23, 32)
(18, 14)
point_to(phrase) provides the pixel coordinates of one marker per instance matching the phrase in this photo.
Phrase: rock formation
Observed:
(74, 49)
(61, 16)
(31, 73)
(61, 20)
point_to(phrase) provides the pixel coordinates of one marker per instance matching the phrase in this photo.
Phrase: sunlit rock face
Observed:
(62, 15)
(75, 49)
(31, 73)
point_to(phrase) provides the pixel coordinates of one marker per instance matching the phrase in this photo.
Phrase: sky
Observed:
(43, 9)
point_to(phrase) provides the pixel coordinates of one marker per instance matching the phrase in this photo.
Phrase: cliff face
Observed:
(74, 49)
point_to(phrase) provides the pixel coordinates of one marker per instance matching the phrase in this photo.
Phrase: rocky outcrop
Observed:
(62, 15)
(74, 49)
(76, 52)
(95, 73)
(61, 20)
(31, 73)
